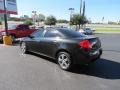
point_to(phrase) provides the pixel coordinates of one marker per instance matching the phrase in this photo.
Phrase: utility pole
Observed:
(81, 7)
(5, 18)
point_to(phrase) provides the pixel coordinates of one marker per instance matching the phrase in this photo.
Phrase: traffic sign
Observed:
(2, 6)
(11, 7)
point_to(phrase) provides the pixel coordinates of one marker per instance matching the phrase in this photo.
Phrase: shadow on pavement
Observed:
(102, 68)
(43, 57)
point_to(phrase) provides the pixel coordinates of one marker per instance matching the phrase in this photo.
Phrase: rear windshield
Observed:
(71, 33)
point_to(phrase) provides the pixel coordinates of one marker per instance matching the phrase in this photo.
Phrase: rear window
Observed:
(52, 33)
(71, 33)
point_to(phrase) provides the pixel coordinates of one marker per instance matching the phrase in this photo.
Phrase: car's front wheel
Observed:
(64, 60)
(23, 47)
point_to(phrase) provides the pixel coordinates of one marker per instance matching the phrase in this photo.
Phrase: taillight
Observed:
(85, 44)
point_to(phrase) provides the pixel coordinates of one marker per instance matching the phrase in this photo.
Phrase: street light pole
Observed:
(71, 12)
(5, 18)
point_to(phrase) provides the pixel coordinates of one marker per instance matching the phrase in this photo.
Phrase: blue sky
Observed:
(95, 9)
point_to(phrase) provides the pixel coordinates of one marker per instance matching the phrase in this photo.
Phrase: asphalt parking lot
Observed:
(34, 72)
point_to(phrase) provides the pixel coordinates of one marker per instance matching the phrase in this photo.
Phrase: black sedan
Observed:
(67, 47)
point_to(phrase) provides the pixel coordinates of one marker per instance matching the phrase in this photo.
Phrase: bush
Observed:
(111, 22)
(62, 21)
(28, 22)
(14, 19)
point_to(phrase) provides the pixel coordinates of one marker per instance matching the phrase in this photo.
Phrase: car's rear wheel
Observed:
(64, 60)
(23, 47)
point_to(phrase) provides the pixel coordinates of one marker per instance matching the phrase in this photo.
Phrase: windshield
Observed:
(12, 26)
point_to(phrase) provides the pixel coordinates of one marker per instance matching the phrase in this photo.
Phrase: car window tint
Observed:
(71, 33)
(25, 27)
(52, 33)
(20, 27)
(38, 34)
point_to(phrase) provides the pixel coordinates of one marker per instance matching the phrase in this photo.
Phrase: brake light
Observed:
(85, 44)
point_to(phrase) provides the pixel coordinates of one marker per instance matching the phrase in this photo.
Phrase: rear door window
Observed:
(20, 27)
(25, 27)
(38, 34)
(52, 33)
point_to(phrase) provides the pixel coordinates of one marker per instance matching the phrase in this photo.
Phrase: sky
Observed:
(95, 9)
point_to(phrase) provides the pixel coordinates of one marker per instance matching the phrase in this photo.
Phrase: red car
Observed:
(17, 31)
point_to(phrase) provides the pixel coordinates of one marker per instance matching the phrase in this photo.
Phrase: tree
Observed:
(84, 20)
(41, 18)
(28, 22)
(24, 17)
(77, 19)
(112, 23)
(62, 21)
(15, 19)
(51, 20)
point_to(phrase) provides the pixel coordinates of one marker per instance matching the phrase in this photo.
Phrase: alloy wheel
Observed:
(64, 61)
(23, 47)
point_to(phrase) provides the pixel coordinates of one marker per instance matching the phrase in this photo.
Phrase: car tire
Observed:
(64, 60)
(23, 48)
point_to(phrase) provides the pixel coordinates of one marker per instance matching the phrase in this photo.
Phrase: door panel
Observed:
(35, 41)
(48, 47)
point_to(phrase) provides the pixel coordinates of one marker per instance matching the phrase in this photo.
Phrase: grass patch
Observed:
(108, 30)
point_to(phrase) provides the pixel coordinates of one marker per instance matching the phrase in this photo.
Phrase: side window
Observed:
(25, 27)
(38, 34)
(20, 27)
(52, 33)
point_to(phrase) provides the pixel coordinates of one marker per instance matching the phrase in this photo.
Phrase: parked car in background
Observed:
(87, 31)
(67, 47)
(17, 31)
(39, 27)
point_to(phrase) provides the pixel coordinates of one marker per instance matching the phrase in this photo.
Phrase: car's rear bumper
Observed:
(86, 58)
